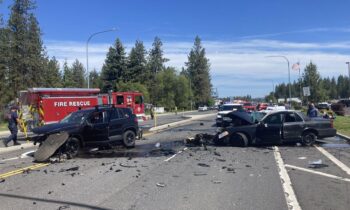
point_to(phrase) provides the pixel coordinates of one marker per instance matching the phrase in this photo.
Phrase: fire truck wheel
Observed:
(72, 147)
(129, 138)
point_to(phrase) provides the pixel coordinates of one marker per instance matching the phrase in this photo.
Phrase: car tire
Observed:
(308, 139)
(239, 139)
(129, 139)
(72, 147)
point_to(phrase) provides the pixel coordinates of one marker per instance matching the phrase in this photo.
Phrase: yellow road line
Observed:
(22, 170)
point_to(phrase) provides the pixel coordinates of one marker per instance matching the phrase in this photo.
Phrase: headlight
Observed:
(218, 116)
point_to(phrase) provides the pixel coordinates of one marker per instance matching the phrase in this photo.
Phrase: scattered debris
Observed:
(102, 164)
(34, 203)
(201, 123)
(63, 184)
(301, 158)
(157, 145)
(63, 207)
(111, 168)
(203, 165)
(221, 160)
(230, 170)
(69, 169)
(118, 170)
(201, 139)
(45, 171)
(50, 192)
(216, 181)
(160, 184)
(298, 144)
(199, 174)
(127, 166)
(248, 166)
(2, 180)
(217, 153)
(317, 164)
(27, 171)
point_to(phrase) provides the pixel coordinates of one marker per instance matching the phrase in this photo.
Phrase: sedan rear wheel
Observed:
(72, 147)
(308, 139)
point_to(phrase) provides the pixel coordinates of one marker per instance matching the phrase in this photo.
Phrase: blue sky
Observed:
(238, 35)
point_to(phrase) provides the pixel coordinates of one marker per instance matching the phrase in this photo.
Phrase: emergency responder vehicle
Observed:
(41, 106)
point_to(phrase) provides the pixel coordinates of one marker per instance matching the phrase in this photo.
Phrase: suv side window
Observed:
(114, 114)
(123, 113)
(289, 117)
(98, 117)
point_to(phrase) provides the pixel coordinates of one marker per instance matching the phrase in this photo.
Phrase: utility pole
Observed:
(349, 73)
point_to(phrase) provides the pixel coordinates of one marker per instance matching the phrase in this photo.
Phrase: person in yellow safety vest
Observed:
(13, 122)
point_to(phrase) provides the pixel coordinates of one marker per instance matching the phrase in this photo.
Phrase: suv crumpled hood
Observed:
(54, 128)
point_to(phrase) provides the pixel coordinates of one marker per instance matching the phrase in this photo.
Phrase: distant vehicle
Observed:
(276, 127)
(94, 127)
(262, 106)
(203, 108)
(323, 106)
(346, 102)
(225, 109)
(249, 106)
(274, 108)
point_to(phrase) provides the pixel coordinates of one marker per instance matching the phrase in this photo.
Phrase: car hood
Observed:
(244, 116)
(54, 127)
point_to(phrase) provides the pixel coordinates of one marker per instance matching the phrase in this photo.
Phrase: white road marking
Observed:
(179, 152)
(289, 194)
(318, 172)
(23, 156)
(334, 160)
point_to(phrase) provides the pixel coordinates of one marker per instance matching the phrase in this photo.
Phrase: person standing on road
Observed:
(312, 111)
(13, 122)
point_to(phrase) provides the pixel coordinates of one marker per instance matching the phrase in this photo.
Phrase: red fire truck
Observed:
(48, 105)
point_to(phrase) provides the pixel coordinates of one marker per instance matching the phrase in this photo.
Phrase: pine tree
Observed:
(155, 65)
(52, 73)
(95, 80)
(311, 78)
(136, 68)
(4, 44)
(113, 69)
(198, 69)
(68, 81)
(333, 94)
(78, 73)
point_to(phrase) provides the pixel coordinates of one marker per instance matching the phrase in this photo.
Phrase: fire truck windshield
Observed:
(75, 117)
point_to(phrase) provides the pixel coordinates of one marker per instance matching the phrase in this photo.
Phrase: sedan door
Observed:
(293, 127)
(270, 129)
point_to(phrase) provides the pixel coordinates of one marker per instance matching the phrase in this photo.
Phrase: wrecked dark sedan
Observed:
(97, 127)
(275, 128)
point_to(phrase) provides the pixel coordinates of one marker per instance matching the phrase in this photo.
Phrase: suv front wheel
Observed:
(129, 138)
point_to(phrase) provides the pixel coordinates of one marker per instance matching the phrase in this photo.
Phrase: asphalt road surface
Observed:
(177, 176)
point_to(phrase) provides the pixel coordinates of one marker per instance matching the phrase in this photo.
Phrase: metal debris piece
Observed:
(160, 184)
(50, 192)
(301, 158)
(317, 164)
(199, 174)
(157, 145)
(230, 170)
(69, 169)
(118, 170)
(63, 207)
(127, 166)
(248, 166)
(217, 153)
(2, 180)
(216, 181)
(203, 165)
(201, 123)
(221, 160)
(51, 144)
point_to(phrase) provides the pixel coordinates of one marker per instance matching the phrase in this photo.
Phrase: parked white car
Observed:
(225, 109)
(203, 108)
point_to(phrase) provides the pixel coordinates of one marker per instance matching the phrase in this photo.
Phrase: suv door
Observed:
(293, 126)
(270, 129)
(116, 125)
(97, 127)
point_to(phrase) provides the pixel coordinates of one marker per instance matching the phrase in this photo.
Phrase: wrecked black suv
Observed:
(102, 126)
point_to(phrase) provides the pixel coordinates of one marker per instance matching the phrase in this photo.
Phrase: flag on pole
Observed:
(296, 66)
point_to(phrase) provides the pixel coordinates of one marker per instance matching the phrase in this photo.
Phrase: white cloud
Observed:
(237, 68)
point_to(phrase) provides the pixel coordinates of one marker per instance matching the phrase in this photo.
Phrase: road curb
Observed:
(175, 124)
(343, 136)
